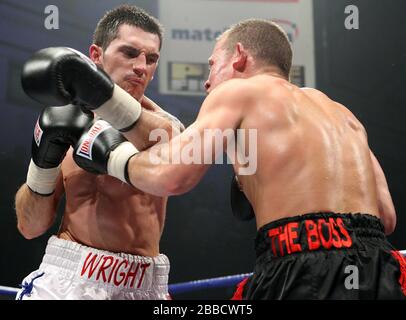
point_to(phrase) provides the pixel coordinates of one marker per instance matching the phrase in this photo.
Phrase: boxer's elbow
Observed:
(34, 229)
(171, 190)
(173, 186)
(28, 232)
(176, 189)
(177, 182)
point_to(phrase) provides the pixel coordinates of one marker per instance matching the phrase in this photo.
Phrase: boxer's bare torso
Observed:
(313, 154)
(107, 214)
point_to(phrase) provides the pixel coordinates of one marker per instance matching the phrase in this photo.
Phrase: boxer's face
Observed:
(220, 67)
(131, 59)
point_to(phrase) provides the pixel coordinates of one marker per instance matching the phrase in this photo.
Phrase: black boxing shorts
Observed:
(325, 256)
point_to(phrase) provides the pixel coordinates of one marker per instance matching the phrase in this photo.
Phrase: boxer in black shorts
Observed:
(325, 256)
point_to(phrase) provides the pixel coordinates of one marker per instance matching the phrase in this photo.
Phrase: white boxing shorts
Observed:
(71, 271)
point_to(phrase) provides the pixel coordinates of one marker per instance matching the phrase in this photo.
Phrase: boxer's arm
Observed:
(153, 118)
(36, 213)
(161, 171)
(385, 203)
(80, 81)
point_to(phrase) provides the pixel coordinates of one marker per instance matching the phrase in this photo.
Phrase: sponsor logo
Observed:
(85, 148)
(38, 133)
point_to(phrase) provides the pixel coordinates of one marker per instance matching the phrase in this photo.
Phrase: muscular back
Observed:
(104, 213)
(313, 154)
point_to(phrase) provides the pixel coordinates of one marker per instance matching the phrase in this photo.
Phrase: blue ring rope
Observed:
(219, 282)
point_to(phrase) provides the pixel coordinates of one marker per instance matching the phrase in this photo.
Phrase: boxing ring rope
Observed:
(219, 282)
(182, 287)
(8, 291)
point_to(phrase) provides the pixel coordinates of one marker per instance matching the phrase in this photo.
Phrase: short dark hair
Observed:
(107, 28)
(265, 40)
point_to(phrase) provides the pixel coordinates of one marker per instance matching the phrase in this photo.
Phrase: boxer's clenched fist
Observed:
(55, 131)
(60, 75)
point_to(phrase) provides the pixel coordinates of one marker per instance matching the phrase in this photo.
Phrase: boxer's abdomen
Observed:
(107, 214)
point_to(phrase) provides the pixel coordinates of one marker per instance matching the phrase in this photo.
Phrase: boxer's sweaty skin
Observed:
(105, 213)
(313, 154)
(101, 211)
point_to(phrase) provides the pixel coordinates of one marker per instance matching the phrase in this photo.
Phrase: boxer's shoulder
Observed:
(235, 92)
(315, 94)
(272, 88)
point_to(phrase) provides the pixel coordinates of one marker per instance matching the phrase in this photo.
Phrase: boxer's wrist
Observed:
(42, 181)
(118, 161)
(122, 111)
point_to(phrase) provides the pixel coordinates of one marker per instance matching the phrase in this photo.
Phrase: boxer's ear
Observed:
(96, 54)
(240, 57)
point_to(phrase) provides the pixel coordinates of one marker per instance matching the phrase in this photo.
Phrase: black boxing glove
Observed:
(240, 205)
(104, 150)
(57, 128)
(60, 75)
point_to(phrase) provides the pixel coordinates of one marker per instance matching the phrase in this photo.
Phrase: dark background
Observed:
(364, 69)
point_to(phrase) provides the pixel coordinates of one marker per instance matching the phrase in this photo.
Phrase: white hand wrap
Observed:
(42, 181)
(118, 159)
(121, 111)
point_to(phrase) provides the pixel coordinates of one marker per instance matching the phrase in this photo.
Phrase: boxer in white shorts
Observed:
(75, 272)
(102, 214)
